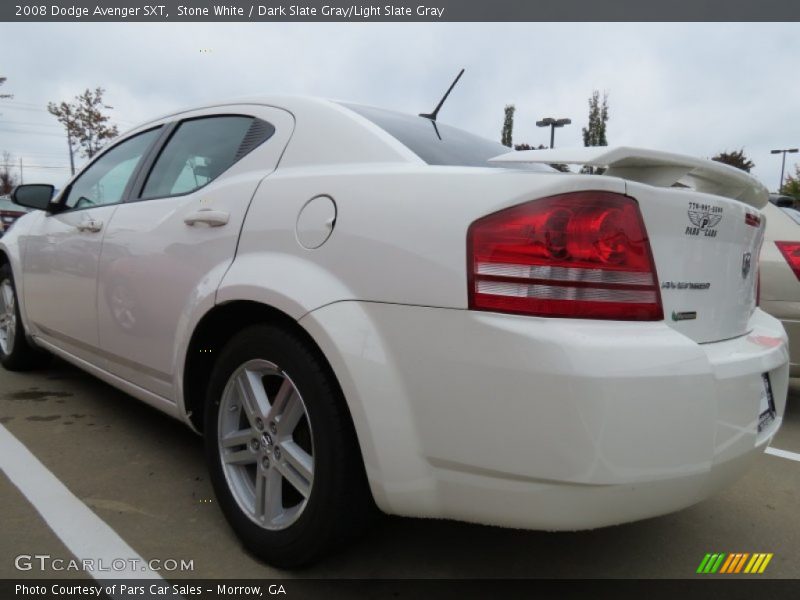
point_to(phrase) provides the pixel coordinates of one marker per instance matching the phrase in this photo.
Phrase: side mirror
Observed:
(34, 195)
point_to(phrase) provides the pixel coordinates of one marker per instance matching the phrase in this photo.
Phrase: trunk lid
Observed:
(706, 252)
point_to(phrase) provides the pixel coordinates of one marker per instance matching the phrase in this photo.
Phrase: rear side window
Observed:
(440, 144)
(200, 150)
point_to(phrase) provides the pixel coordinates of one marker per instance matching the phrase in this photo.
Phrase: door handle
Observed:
(207, 216)
(90, 225)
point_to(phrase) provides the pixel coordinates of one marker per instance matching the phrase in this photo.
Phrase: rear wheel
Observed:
(16, 353)
(281, 448)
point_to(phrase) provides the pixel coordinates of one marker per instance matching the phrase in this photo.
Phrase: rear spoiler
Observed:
(662, 169)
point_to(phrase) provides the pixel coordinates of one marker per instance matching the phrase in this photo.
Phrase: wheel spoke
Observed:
(238, 438)
(297, 466)
(252, 395)
(6, 287)
(291, 414)
(7, 297)
(239, 457)
(278, 403)
(269, 495)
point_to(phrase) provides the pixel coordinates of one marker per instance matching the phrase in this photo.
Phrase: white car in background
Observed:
(355, 305)
(780, 274)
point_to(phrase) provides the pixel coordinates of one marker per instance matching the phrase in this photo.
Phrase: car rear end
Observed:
(550, 351)
(780, 274)
(665, 380)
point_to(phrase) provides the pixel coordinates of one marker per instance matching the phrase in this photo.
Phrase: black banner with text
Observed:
(401, 10)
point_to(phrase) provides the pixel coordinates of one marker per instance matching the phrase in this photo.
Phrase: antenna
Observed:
(432, 116)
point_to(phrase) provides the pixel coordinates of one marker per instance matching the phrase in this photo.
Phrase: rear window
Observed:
(440, 145)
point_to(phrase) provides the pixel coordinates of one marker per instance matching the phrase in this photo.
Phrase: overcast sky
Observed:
(690, 88)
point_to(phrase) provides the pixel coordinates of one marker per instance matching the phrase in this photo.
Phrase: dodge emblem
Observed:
(746, 264)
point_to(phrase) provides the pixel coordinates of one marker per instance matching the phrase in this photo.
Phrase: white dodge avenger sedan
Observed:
(362, 308)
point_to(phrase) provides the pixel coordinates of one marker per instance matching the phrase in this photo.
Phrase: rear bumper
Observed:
(547, 423)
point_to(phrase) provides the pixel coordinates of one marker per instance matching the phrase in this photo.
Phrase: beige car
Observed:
(780, 274)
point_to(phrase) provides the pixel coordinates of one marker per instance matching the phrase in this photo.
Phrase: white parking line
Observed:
(783, 453)
(85, 534)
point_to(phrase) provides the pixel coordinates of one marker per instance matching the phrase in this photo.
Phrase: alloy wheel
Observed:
(266, 444)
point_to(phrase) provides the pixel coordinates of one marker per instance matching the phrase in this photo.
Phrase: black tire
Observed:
(339, 504)
(20, 355)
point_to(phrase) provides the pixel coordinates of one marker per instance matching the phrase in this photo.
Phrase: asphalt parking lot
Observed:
(143, 474)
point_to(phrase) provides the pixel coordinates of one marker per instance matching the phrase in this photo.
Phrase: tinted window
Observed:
(200, 150)
(105, 180)
(448, 146)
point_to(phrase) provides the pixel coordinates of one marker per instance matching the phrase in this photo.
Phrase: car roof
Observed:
(287, 102)
(325, 131)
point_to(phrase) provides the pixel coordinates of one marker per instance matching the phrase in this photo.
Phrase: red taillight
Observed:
(791, 252)
(581, 255)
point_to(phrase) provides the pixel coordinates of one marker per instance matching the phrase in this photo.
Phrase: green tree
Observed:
(594, 134)
(736, 159)
(791, 185)
(2, 81)
(87, 126)
(508, 126)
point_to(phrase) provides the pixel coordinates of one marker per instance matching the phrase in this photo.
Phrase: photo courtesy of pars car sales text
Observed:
(149, 590)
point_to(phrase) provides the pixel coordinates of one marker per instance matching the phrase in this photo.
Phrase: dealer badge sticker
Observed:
(704, 219)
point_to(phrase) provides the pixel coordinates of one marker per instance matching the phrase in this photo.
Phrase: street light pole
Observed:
(783, 162)
(552, 124)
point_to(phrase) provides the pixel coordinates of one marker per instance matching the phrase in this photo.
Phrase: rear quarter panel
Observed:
(400, 233)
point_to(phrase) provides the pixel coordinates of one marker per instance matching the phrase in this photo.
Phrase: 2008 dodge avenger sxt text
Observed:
(361, 307)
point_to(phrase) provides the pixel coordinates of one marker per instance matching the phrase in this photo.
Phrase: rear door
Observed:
(167, 249)
(62, 250)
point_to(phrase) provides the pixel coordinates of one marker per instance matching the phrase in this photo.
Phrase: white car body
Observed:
(506, 419)
(780, 287)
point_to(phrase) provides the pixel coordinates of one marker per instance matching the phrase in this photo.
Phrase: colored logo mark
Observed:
(737, 562)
